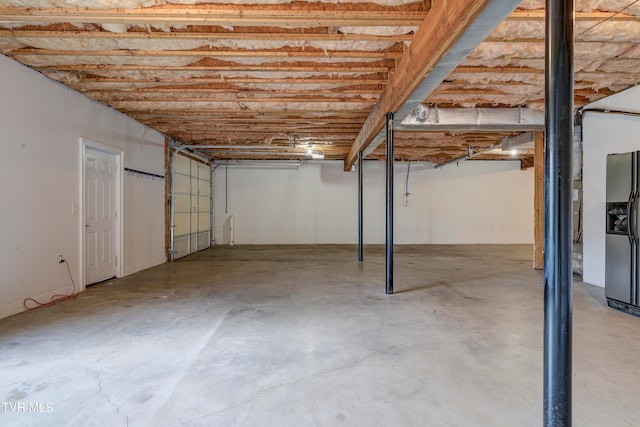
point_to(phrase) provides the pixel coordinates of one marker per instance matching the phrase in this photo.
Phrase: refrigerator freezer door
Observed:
(618, 268)
(619, 177)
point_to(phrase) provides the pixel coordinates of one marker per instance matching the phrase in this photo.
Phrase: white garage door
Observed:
(192, 204)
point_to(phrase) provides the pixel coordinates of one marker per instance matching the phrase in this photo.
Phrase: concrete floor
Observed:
(304, 336)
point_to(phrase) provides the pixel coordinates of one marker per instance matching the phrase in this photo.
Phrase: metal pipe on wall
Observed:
(212, 169)
(172, 202)
(558, 203)
(360, 208)
(232, 231)
(226, 187)
(389, 240)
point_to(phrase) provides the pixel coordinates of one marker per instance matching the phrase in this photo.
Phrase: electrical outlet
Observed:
(60, 259)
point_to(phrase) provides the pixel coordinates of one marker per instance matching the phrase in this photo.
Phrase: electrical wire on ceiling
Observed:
(610, 17)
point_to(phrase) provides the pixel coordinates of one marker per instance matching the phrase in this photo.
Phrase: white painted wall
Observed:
(41, 123)
(603, 134)
(475, 202)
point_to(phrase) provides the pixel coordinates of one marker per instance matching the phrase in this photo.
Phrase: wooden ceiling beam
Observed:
(226, 53)
(228, 114)
(538, 15)
(335, 69)
(274, 146)
(224, 15)
(251, 157)
(240, 141)
(209, 127)
(285, 137)
(497, 70)
(230, 96)
(446, 23)
(239, 93)
(310, 99)
(281, 149)
(347, 88)
(238, 34)
(578, 40)
(221, 130)
(256, 108)
(300, 131)
(233, 133)
(234, 80)
(363, 90)
(269, 122)
(278, 148)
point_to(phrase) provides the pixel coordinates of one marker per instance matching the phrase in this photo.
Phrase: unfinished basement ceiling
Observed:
(273, 79)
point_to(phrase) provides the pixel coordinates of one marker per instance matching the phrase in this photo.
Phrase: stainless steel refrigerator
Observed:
(622, 237)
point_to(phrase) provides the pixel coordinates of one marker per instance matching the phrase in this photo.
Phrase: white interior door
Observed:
(100, 215)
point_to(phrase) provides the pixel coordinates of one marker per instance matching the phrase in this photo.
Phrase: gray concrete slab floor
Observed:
(305, 336)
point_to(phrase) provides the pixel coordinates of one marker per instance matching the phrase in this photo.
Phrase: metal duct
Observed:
(522, 141)
(432, 118)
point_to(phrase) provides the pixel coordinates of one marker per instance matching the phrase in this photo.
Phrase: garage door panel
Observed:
(204, 221)
(182, 163)
(182, 202)
(191, 204)
(182, 183)
(204, 187)
(203, 240)
(181, 246)
(182, 224)
(204, 202)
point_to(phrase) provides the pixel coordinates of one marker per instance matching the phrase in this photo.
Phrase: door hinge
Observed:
(116, 261)
(116, 214)
(115, 168)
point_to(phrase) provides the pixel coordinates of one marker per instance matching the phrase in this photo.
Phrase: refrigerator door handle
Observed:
(634, 247)
(635, 213)
(630, 211)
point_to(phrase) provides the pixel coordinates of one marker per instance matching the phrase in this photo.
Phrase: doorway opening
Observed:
(101, 201)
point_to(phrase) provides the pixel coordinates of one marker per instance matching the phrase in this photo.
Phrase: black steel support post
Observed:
(389, 241)
(360, 208)
(558, 203)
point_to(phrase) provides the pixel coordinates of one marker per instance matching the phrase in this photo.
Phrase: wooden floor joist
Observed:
(259, 73)
(215, 53)
(336, 68)
(224, 15)
(238, 34)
